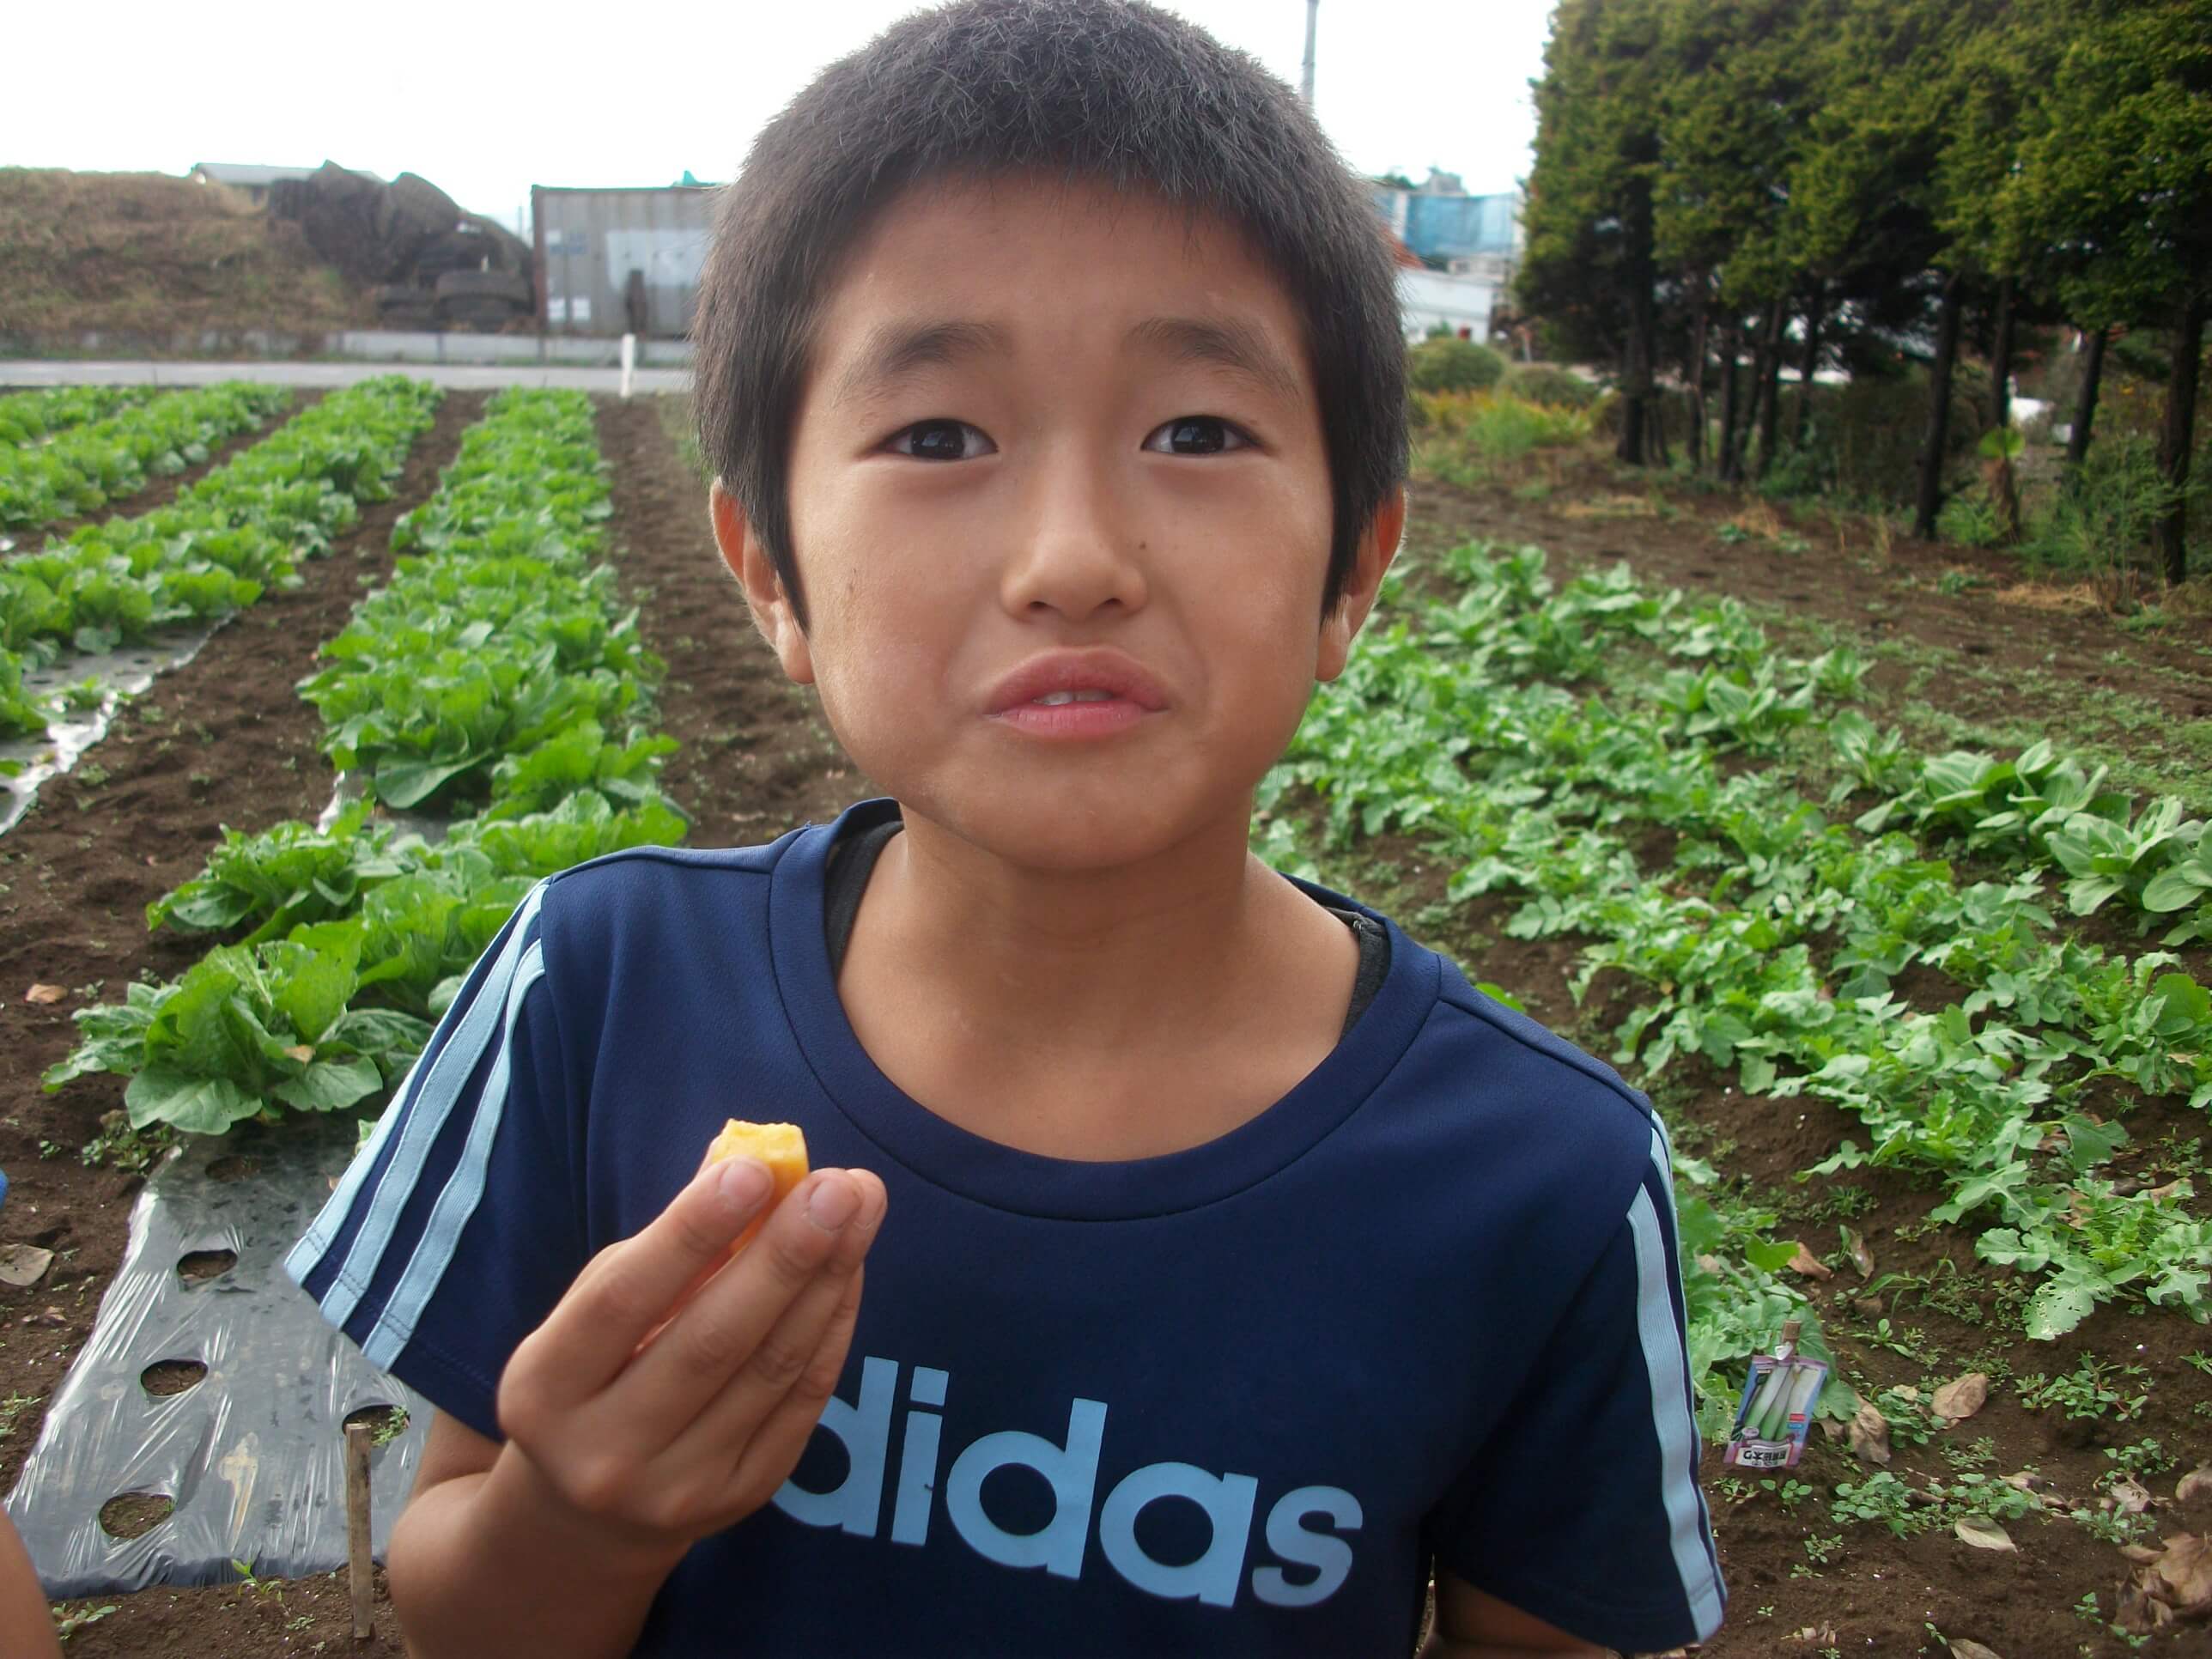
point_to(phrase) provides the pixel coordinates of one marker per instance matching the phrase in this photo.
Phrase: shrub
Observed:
(2102, 519)
(1968, 519)
(1541, 383)
(1453, 365)
(1469, 438)
(1862, 440)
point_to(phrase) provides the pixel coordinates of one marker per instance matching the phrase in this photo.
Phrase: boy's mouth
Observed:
(1077, 693)
(1053, 699)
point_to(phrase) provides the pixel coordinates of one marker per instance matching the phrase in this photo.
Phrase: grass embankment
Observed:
(152, 255)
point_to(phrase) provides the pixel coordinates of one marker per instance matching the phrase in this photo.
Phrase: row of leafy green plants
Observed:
(80, 468)
(496, 677)
(1769, 940)
(27, 416)
(213, 549)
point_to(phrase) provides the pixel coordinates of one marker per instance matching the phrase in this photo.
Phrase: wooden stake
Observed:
(360, 1567)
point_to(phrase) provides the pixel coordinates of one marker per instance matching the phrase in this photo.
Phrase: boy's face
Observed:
(1043, 419)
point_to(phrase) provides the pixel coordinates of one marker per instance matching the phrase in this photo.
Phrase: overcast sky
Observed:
(486, 100)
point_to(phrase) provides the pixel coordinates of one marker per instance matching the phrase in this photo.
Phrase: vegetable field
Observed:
(1900, 908)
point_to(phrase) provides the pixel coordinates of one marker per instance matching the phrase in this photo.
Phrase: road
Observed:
(43, 372)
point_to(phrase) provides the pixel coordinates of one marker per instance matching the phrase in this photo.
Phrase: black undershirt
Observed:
(846, 878)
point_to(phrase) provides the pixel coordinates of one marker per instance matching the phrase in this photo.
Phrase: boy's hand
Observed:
(670, 1392)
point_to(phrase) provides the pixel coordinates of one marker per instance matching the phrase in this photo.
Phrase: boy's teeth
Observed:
(1053, 699)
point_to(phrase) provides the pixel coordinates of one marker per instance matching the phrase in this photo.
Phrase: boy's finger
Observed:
(736, 1328)
(630, 1290)
(776, 1445)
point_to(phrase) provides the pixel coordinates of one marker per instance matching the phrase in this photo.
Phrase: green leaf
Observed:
(2175, 888)
(198, 1105)
(317, 986)
(331, 1085)
(405, 783)
(2090, 1144)
(2063, 1302)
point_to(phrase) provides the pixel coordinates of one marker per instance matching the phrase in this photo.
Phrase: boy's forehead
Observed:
(966, 268)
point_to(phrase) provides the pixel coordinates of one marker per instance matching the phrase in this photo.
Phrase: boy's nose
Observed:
(1072, 551)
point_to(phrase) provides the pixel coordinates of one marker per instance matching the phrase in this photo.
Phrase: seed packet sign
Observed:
(1778, 1400)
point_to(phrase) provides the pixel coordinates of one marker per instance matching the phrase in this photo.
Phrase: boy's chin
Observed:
(1068, 826)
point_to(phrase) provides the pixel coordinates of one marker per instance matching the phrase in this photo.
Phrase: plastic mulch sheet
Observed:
(123, 672)
(251, 1452)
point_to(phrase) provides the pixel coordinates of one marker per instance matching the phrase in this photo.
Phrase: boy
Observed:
(1237, 1262)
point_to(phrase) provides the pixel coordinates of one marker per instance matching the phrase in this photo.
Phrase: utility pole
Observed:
(1305, 82)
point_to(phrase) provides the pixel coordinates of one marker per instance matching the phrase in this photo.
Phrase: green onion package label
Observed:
(1776, 1411)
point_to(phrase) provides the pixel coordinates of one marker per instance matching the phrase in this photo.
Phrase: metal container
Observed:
(615, 262)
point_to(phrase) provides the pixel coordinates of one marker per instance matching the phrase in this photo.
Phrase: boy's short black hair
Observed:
(1113, 91)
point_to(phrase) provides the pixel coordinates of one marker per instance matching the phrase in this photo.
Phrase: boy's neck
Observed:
(988, 985)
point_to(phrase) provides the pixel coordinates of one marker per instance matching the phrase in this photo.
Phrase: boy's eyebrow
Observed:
(894, 351)
(1226, 342)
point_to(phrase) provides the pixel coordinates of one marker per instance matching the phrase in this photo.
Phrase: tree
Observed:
(1588, 265)
(2114, 179)
(1869, 195)
(1742, 77)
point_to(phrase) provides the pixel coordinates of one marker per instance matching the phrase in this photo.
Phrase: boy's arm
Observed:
(26, 1628)
(1581, 1507)
(666, 1397)
(1471, 1624)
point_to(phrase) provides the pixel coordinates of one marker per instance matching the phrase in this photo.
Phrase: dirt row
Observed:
(1871, 1593)
(160, 492)
(1848, 572)
(226, 740)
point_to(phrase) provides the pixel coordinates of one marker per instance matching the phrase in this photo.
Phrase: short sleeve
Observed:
(455, 1230)
(1582, 1507)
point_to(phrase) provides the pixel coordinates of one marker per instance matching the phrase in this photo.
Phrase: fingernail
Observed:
(745, 1183)
(831, 1205)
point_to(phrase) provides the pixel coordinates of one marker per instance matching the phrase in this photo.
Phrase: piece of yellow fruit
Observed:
(781, 1146)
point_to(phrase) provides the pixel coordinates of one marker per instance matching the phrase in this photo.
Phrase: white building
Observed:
(1460, 303)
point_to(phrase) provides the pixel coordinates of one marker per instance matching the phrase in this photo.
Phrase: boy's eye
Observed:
(1195, 435)
(941, 440)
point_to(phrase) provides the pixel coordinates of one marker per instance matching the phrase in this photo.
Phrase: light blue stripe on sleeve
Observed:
(1662, 1159)
(1671, 1417)
(457, 1199)
(437, 1090)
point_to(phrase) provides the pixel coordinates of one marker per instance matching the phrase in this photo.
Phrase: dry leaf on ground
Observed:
(2178, 1582)
(1962, 1649)
(2197, 1483)
(1960, 1399)
(1869, 1433)
(2129, 1495)
(45, 994)
(1811, 1266)
(24, 1264)
(1983, 1533)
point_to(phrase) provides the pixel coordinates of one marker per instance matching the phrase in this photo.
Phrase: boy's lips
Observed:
(1122, 694)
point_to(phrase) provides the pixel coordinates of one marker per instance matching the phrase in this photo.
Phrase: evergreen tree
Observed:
(2114, 183)
(1587, 264)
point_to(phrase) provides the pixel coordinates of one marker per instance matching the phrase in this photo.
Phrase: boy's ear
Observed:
(1377, 547)
(765, 596)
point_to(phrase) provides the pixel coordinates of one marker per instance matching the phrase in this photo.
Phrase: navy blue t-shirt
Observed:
(1231, 1400)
